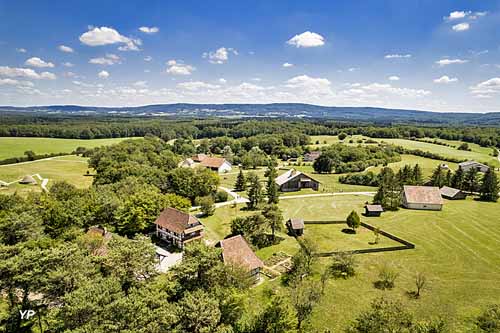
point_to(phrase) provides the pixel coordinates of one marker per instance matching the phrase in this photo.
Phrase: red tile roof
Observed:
(237, 251)
(213, 162)
(175, 220)
(198, 157)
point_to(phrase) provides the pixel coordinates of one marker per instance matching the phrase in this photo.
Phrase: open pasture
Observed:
(16, 146)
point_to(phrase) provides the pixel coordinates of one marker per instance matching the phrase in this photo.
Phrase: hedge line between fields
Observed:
(406, 245)
(13, 160)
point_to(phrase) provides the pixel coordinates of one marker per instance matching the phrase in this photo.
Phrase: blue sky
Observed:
(431, 55)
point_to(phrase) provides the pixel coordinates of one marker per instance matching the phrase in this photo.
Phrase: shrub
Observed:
(387, 276)
(221, 196)
(343, 265)
(206, 204)
(489, 320)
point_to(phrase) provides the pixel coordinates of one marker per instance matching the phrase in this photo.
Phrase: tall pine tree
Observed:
(438, 177)
(254, 191)
(457, 181)
(272, 189)
(489, 187)
(389, 191)
(470, 180)
(241, 182)
(418, 177)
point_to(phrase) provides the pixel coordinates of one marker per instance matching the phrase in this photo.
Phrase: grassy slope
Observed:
(69, 168)
(478, 153)
(15, 147)
(457, 249)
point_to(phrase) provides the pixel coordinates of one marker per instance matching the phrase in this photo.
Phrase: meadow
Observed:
(478, 153)
(69, 168)
(15, 147)
(458, 250)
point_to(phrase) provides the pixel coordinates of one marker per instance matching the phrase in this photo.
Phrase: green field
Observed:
(478, 153)
(69, 168)
(458, 249)
(15, 147)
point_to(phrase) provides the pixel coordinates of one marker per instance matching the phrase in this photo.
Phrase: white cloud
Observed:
(141, 84)
(65, 48)
(25, 72)
(222, 80)
(491, 86)
(197, 85)
(309, 84)
(461, 27)
(307, 39)
(178, 68)
(445, 79)
(149, 30)
(37, 62)
(21, 50)
(353, 69)
(148, 58)
(374, 89)
(106, 36)
(457, 15)
(393, 78)
(219, 56)
(12, 82)
(287, 65)
(67, 64)
(108, 60)
(397, 56)
(103, 74)
(446, 62)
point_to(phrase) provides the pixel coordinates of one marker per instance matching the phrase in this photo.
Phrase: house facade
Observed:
(294, 180)
(178, 228)
(236, 251)
(422, 197)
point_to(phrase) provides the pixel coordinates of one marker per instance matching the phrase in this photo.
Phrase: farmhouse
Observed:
(177, 227)
(466, 166)
(236, 251)
(295, 226)
(452, 193)
(28, 180)
(218, 164)
(312, 156)
(422, 197)
(294, 180)
(373, 210)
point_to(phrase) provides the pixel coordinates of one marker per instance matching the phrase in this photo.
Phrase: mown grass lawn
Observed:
(69, 168)
(458, 249)
(16, 146)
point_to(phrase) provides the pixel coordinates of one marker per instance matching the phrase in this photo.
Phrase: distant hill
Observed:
(278, 110)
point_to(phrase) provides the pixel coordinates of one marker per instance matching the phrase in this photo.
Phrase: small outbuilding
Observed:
(28, 180)
(373, 210)
(295, 226)
(466, 166)
(236, 251)
(311, 156)
(451, 193)
(422, 197)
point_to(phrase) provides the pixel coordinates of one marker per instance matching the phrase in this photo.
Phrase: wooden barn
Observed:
(422, 197)
(294, 180)
(451, 193)
(236, 251)
(295, 226)
(373, 210)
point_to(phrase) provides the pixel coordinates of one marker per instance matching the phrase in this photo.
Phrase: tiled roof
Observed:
(290, 174)
(213, 162)
(374, 208)
(423, 195)
(237, 251)
(175, 220)
(198, 157)
(449, 191)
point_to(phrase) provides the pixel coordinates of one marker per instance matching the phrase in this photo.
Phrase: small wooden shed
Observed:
(296, 226)
(373, 210)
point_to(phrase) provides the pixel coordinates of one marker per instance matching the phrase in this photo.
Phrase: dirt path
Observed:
(43, 185)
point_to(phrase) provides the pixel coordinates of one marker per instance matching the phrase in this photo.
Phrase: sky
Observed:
(415, 54)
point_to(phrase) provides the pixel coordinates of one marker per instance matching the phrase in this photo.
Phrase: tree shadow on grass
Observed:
(349, 231)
